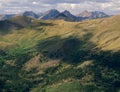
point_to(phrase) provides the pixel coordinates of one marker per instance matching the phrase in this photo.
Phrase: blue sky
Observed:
(75, 6)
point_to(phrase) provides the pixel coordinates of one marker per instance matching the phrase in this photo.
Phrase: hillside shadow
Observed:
(39, 26)
(70, 50)
(74, 50)
(106, 69)
(33, 24)
(7, 26)
(106, 58)
(46, 24)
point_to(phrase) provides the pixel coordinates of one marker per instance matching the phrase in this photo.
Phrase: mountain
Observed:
(55, 55)
(92, 15)
(62, 16)
(55, 14)
(40, 14)
(66, 15)
(30, 14)
(69, 15)
(6, 16)
(2, 17)
(85, 14)
(14, 23)
(26, 14)
(49, 14)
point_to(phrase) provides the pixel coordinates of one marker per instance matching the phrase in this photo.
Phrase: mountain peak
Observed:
(98, 11)
(30, 14)
(53, 13)
(65, 11)
(85, 11)
(52, 10)
(85, 14)
(99, 14)
(93, 14)
(50, 14)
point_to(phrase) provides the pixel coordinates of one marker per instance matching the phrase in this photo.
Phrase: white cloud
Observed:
(72, 6)
(75, 6)
(109, 7)
(0, 5)
(34, 3)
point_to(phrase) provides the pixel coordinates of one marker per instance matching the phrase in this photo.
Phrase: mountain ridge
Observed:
(53, 13)
(92, 15)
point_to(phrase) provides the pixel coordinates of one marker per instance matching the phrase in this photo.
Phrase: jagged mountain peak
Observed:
(30, 14)
(52, 11)
(50, 14)
(85, 13)
(93, 14)
(67, 13)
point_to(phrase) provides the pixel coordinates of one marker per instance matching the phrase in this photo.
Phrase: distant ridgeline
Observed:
(55, 14)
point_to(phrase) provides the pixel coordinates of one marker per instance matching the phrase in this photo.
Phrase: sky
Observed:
(74, 6)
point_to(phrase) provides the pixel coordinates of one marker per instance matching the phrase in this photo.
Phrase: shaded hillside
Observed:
(15, 23)
(55, 55)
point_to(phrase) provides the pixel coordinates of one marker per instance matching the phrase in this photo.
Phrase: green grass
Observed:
(74, 86)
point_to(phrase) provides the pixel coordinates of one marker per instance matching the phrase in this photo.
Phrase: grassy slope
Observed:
(73, 86)
(47, 53)
(105, 31)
